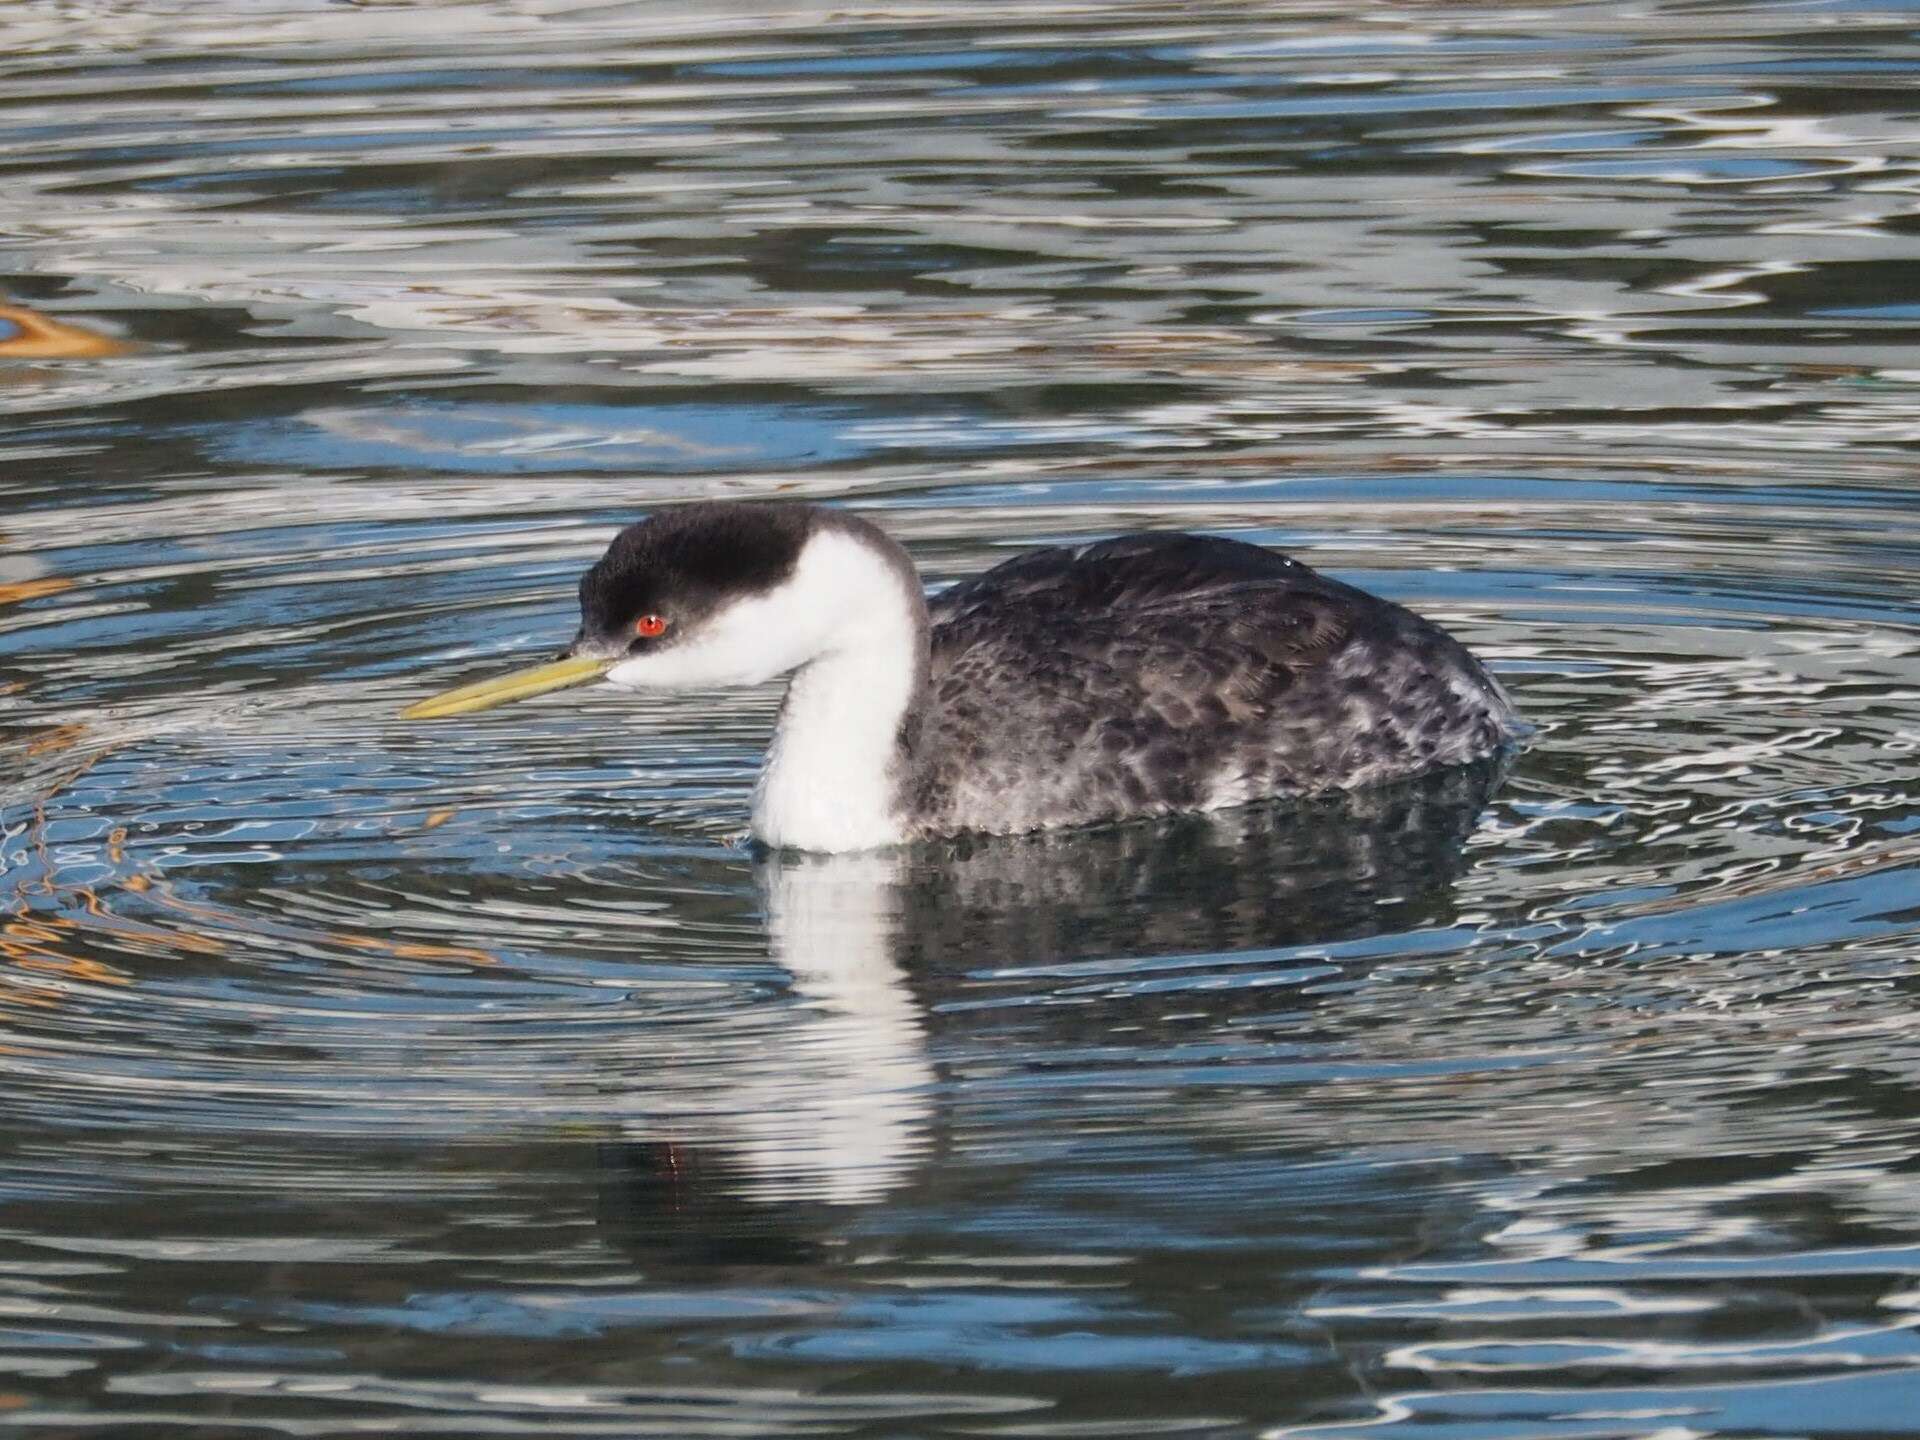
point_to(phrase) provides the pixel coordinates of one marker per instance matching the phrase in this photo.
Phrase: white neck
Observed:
(831, 779)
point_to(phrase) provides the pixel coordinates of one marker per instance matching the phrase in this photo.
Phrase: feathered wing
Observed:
(1160, 673)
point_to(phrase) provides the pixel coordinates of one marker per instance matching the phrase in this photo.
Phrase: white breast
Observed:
(829, 782)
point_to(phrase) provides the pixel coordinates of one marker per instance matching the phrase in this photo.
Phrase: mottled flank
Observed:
(1147, 675)
(1161, 673)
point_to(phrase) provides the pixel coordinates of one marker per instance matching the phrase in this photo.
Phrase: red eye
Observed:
(649, 627)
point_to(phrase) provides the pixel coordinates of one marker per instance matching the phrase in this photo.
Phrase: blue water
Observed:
(364, 1078)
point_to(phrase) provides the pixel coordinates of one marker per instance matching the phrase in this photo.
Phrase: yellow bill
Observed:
(514, 685)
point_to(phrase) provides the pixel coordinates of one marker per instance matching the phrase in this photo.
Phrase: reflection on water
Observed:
(28, 335)
(367, 1080)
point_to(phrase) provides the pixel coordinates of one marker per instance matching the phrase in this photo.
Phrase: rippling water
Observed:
(474, 1079)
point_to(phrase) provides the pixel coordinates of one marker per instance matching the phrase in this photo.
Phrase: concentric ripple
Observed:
(476, 1079)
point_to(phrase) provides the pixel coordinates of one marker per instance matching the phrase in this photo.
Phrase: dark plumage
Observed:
(692, 559)
(1138, 676)
(1167, 672)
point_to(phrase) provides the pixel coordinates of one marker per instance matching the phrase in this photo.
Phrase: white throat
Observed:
(850, 625)
(831, 779)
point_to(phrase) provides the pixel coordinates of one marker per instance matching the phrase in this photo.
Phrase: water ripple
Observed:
(480, 1081)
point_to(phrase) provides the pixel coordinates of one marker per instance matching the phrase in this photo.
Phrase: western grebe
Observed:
(1143, 675)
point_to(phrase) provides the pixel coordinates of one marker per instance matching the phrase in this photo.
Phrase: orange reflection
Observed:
(18, 590)
(74, 967)
(410, 949)
(46, 929)
(60, 737)
(40, 337)
(39, 941)
(187, 940)
(158, 893)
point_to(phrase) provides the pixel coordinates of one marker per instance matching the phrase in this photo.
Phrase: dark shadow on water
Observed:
(890, 954)
(1336, 867)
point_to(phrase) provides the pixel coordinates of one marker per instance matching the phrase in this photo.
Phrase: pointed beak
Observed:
(514, 685)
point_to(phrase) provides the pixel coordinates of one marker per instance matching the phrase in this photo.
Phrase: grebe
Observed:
(1138, 676)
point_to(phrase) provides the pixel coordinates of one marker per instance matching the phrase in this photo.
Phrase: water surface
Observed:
(474, 1079)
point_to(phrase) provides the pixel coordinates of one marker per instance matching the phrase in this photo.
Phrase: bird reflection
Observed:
(877, 944)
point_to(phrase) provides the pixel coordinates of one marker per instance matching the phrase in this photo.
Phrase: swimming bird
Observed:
(1143, 675)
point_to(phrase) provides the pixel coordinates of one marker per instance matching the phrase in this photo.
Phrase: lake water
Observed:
(474, 1079)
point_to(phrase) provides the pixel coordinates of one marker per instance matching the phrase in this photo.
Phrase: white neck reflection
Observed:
(826, 1099)
(855, 1077)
